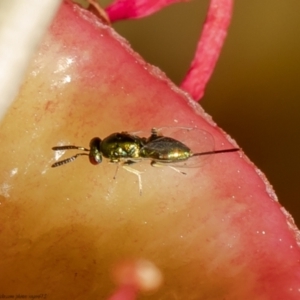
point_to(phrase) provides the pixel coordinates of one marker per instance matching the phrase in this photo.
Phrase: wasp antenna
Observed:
(67, 160)
(69, 147)
(217, 151)
(63, 162)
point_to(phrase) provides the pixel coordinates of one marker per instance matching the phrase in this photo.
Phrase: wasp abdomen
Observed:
(166, 149)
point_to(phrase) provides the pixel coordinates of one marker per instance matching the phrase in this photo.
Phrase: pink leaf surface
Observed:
(216, 233)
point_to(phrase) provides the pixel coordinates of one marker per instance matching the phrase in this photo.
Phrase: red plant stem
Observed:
(124, 293)
(209, 47)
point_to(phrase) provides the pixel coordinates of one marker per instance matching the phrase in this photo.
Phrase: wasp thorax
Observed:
(95, 154)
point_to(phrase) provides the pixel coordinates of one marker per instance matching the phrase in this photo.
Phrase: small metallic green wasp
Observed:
(125, 149)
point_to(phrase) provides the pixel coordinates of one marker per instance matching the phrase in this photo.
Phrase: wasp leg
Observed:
(126, 165)
(117, 169)
(160, 165)
(127, 162)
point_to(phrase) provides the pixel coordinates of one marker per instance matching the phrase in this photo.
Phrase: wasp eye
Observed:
(95, 154)
(95, 159)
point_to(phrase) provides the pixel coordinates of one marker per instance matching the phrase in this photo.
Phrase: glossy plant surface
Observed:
(216, 233)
